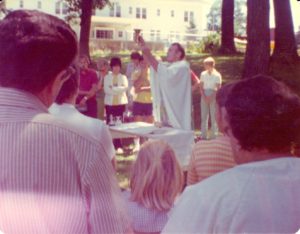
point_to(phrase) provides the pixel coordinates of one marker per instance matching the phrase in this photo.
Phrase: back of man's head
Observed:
(223, 93)
(34, 48)
(264, 114)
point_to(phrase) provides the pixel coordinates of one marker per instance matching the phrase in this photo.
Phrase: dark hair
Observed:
(135, 55)
(115, 61)
(70, 87)
(180, 49)
(34, 48)
(223, 92)
(264, 114)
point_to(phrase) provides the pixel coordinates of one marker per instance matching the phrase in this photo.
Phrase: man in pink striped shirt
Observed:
(52, 179)
(212, 156)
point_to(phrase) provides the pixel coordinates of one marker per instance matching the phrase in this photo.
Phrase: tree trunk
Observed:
(285, 50)
(227, 41)
(257, 55)
(85, 26)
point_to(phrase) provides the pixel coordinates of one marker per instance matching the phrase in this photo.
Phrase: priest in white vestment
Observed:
(171, 87)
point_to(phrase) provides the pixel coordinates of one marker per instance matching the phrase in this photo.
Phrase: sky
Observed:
(295, 6)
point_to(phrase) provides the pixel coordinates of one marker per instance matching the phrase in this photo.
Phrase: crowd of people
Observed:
(57, 158)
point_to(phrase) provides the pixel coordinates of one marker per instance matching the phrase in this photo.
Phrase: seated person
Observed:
(155, 182)
(64, 107)
(211, 157)
(261, 195)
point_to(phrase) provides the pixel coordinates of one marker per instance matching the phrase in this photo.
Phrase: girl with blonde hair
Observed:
(155, 182)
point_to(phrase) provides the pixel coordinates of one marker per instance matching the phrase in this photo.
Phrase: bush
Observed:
(209, 44)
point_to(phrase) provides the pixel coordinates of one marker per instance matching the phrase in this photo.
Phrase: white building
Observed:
(161, 21)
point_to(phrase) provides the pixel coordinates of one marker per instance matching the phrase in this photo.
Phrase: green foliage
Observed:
(214, 17)
(75, 5)
(209, 44)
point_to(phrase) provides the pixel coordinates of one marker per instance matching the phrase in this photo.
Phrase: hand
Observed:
(141, 42)
(82, 101)
(208, 99)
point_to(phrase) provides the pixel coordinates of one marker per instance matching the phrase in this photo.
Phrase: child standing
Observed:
(210, 82)
(155, 182)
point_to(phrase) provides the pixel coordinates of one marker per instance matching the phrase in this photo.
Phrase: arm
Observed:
(107, 85)
(147, 54)
(121, 88)
(195, 81)
(192, 177)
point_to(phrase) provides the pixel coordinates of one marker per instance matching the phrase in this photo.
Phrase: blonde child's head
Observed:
(209, 62)
(156, 177)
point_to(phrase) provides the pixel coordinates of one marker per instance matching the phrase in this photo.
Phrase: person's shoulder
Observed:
(215, 184)
(59, 125)
(216, 73)
(204, 73)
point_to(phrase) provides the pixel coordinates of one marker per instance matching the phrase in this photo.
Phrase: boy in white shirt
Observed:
(210, 82)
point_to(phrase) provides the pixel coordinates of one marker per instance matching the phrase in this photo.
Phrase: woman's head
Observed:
(103, 66)
(263, 114)
(116, 65)
(156, 177)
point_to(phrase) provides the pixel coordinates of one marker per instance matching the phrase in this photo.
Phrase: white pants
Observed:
(206, 109)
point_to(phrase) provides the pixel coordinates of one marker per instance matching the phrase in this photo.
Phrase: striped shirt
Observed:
(209, 158)
(52, 179)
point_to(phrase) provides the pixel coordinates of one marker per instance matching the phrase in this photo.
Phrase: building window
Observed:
(21, 3)
(57, 8)
(112, 10)
(65, 8)
(152, 35)
(144, 13)
(172, 13)
(118, 11)
(158, 35)
(191, 16)
(186, 16)
(138, 13)
(120, 34)
(130, 10)
(158, 12)
(104, 34)
(39, 5)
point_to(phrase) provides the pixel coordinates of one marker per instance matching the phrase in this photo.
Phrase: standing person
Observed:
(87, 88)
(210, 82)
(103, 66)
(142, 102)
(155, 183)
(174, 82)
(214, 156)
(52, 178)
(261, 194)
(115, 100)
(132, 66)
(64, 107)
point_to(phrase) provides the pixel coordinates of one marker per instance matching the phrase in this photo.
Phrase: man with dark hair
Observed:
(64, 108)
(52, 178)
(261, 195)
(211, 157)
(88, 87)
(173, 82)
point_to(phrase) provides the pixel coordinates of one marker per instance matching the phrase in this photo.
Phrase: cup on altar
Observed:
(137, 33)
